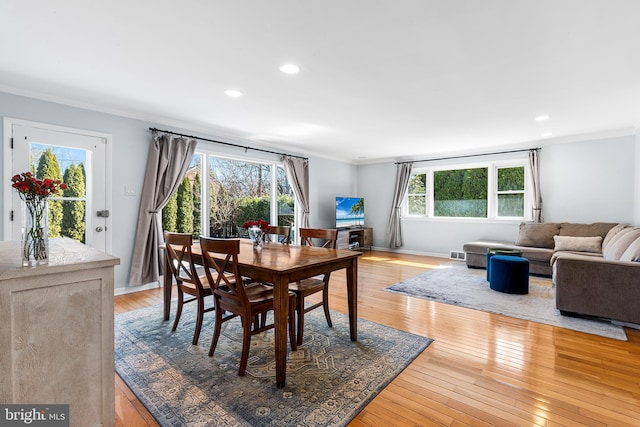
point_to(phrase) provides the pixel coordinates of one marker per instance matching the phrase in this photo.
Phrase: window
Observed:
(492, 190)
(510, 192)
(417, 194)
(460, 193)
(232, 192)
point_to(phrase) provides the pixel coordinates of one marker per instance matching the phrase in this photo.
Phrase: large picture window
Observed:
(218, 195)
(489, 191)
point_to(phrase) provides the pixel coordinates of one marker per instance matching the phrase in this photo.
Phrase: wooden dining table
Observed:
(280, 265)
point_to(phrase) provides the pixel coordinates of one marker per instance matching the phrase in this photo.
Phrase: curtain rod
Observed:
(228, 143)
(470, 155)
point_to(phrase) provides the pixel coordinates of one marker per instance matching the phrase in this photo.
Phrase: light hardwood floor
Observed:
(482, 370)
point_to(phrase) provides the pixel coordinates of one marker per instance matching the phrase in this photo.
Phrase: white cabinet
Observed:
(56, 331)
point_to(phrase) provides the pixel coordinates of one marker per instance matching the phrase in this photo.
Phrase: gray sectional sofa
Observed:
(595, 267)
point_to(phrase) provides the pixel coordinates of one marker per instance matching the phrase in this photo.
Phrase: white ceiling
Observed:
(379, 80)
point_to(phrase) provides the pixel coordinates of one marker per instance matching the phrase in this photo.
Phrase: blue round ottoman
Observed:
(509, 274)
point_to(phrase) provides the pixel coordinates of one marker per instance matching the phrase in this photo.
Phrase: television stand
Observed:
(355, 238)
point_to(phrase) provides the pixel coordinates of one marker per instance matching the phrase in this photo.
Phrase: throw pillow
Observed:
(633, 252)
(615, 230)
(620, 243)
(578, 244)
(585, 230)
(538, 235)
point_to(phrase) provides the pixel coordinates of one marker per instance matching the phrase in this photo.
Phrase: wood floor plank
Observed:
(482, 369)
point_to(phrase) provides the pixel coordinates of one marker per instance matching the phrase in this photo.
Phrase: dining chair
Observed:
(234, 298)
(281, 233)
(306, 287)
(187, 277)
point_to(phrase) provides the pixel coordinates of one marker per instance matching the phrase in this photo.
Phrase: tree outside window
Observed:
(417, 194)
(67, 210)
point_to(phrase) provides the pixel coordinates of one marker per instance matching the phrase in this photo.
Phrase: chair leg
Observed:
(179, 309)
(325, 304)
(300, 317)
(199, 319)
(246, 344)
(216, 331)
(293, 340)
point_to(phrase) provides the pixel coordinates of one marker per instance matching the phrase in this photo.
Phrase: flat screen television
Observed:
(349, 212)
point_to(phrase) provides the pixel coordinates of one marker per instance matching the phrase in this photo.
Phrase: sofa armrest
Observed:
(597, 287)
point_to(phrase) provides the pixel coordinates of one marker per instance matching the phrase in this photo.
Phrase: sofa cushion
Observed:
(578, 244)
(615, 230)
(538, 235)
(586, 230)
(481, 246)
(620, 243)
(633, 252)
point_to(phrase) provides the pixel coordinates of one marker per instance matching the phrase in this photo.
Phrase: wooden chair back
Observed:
(223, 273)
(329, 235)
(178, 249)
(278, 233)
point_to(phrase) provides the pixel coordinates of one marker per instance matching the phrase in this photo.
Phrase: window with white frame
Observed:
(218, 194)
(491, 190)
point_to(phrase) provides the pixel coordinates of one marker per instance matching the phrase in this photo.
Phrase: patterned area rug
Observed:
(453, 283)
(329, 378)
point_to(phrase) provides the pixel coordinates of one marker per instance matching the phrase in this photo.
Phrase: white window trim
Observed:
(492, 193)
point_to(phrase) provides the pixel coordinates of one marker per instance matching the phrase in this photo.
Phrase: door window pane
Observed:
(67, 210)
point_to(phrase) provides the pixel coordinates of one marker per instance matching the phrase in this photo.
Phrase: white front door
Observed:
(78, 153)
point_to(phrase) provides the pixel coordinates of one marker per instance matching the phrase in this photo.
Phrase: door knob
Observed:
(98, 229)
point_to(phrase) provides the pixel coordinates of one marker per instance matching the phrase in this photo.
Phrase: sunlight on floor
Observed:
(412, 263)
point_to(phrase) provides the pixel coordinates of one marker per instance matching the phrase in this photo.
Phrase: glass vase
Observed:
(35, 233)
(255, 234)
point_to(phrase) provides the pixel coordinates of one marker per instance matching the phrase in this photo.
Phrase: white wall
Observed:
(131, 139)
(637, 179)
(587, 181)
(329, 179)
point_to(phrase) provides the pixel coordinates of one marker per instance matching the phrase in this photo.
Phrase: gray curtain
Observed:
(297, 171)
(168, 161)
(403, 174)
(536, 196)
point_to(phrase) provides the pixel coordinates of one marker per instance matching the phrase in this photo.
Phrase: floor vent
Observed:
(457, 255)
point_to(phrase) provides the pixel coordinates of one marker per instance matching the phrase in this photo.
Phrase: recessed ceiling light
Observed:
(542, 118)
(290, 68)
(546, 134)
(233, 93)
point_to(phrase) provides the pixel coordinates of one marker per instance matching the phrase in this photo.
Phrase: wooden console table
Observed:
(363, 236)
(56, 331)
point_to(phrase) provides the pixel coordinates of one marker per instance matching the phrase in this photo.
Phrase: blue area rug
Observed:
(329, 378)
(453, 283)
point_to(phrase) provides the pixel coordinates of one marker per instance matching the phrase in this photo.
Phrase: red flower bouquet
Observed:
(256, 230)
(35, 193)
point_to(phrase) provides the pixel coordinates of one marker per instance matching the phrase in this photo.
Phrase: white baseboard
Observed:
(131, 289)
(404, 251)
